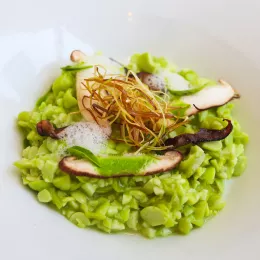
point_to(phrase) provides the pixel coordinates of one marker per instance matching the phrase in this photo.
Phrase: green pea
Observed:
(209, 175)
(73, 204)
(184, 225)
(112, 210)
(139, 195)
(42, 150)
(49, 170)
(24, 164)
(24, 116)
(188, 210)
(79, 197)
(80, 219)
(55, 198)
(240, 166)
(62, 182)
(126, 199)
(51, 144)
(148, 232)
(44, 196)
(193, 161)
(212, 146)
(215, 202)
(200, 209)
(132, 221)
(164, 232)
(193, 197)
(153, 216)
(198, 222)
(89, 188)
(124, 214)
(220, 184)
(117, 226)
(39, 185)
(108, 223)
(134, 204)
(94, 215)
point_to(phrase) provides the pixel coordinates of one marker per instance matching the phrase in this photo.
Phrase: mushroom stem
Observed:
(46, 128)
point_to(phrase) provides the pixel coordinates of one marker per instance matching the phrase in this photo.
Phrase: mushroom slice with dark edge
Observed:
(211, 96)
(203, 135)
(160, 164)
(208, 97)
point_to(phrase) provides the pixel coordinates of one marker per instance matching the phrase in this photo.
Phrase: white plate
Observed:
(30, 57)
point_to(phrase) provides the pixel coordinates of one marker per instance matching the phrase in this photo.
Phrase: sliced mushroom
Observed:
(205, 98)
(80, 167)
(203, 135)
(212, 96)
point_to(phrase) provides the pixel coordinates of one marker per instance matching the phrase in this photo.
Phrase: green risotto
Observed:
(159, 205)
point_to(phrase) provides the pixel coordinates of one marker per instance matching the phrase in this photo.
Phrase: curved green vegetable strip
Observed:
(83, 153)
(197, 83)
(77, 67)
(186, 91)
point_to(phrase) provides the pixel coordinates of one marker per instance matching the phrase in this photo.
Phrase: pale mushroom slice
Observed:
(82, 93)
(160, 164)
(211, 96)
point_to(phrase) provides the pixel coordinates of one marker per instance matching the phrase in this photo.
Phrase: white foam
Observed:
(86, 134)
